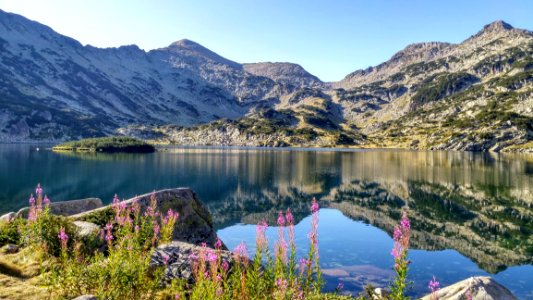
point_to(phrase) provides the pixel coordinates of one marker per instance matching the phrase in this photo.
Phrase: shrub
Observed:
(9, 232)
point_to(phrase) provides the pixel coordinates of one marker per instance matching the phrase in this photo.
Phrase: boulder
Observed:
(68, 208)
(7, 218)
(176, 258)
(10, 249)
(481, 288)
(194, 224)
(86, 297)
(86, 229)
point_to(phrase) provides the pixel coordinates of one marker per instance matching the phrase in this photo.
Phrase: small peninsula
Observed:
(106, 144)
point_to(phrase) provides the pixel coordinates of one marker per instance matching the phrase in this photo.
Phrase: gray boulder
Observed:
(7, 218)
(481, 288)
(86, 297)
(177, 258)
(68, 208)
(194, 224)
(86, 229)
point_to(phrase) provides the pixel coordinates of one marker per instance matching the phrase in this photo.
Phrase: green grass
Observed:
(106, 144)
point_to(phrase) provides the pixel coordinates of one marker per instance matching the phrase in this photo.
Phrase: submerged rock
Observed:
(481, 288)
(68, 208)
(194, 224)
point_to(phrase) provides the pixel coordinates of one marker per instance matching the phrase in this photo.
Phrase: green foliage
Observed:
(514, 82)
(437, 87)
(107, 144)
(10, 233)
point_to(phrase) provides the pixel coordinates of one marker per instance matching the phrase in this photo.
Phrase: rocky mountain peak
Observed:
(193, 49)
(498, 25)
(283, 72)
(496, 30)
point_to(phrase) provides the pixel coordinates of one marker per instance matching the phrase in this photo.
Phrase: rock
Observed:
(86, 229)
(68, 208)
(7, 218)
(194, 224)
(176, 257)
(86, 297)
(381, 293)
(10, 249)
(481, 288)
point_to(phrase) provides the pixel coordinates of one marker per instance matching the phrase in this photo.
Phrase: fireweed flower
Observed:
(289, 217)
(31, 200)
(63, 238)
(340, 286)
(434, 286)
(241, 252)
(225, 265)
(38, 190)
(211, 256)
(109, 235)
(157, 229)
(401, 236)
(314, 206)
(281, 219)
(46, 201)
(260, 235)
(218, 244)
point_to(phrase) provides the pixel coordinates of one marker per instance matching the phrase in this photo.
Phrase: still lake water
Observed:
(471, 213)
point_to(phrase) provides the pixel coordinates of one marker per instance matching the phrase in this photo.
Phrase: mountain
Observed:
(475, 95)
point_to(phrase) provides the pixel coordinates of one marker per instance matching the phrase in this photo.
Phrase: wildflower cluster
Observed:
(266, 275)
(434, 286)
(401, 236)
(120, 270)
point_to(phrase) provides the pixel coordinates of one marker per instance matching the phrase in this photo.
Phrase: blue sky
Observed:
(328, 38)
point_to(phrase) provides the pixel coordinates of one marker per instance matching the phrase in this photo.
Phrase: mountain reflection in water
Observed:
(478, 204)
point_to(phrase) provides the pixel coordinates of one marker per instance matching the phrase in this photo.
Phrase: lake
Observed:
(471, 213)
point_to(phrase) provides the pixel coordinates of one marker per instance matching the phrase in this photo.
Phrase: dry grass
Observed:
(19, 276)
(13, 288)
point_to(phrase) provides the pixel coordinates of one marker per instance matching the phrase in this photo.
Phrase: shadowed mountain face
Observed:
(476, 95)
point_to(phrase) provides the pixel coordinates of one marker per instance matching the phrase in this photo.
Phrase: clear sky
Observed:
(328, 38)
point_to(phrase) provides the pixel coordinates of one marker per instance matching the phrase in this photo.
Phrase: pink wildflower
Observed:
(225, 265)
(109, 234)
(211, 256)
(241, 251)
(281, 219)
(63, 238)
(314, 206)
(289, 217)
(32, 200)
(46, 201)
(218, 244)
(38, 190)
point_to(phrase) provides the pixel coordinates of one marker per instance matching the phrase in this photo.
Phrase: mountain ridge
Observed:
(54, 88)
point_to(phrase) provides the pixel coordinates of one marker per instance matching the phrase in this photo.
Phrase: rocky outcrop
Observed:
(194, 224)
(480, 288)
(177, 258)
(68, 208)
